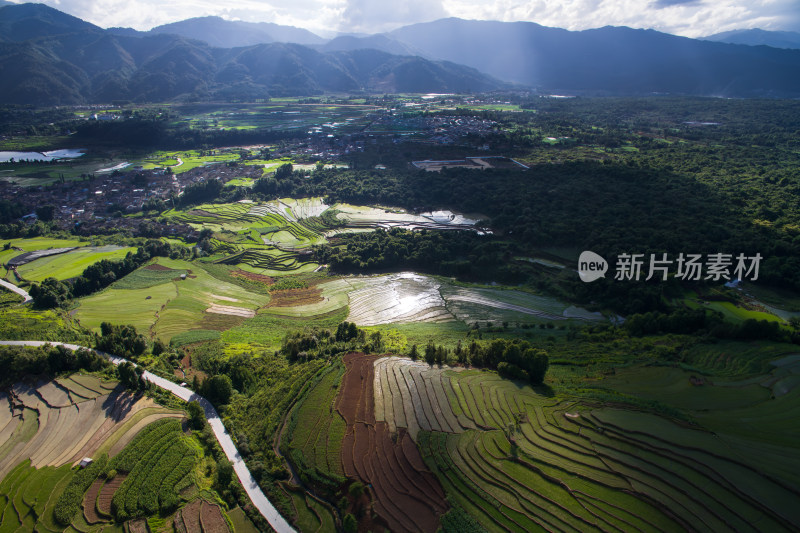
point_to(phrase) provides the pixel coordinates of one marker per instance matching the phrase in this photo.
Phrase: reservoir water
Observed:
(5, 157)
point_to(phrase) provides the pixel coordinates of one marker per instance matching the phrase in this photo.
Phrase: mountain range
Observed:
(608, 60)
(758, 37)
(50, 57)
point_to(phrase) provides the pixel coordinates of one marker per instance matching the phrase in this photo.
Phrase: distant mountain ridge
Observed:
(756, 37)
(50, 57)
(58, 59)
(223, 33)
(609, 60)
(22, 22)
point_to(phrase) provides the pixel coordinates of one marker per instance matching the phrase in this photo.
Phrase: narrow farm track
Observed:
(14, 288)
(255, 493)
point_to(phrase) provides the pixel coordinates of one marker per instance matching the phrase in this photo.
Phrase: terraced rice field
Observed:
(320, 428)
(28, 495)
(54, 422)
(539, 463)
(391, 217)
(415, 396)
(59, 422)
(45, 430)
(407, 497)
(408, 297)
(274, 237)
(404, 297)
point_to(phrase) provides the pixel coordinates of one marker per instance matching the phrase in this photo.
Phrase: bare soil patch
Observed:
(295, 297)
(191, 515)
(139, 526)
(220, 322)
(107, 493)
(231, 310)
(89, 501)
(157, 267)
(251, 276)
(212, 520)
(191, 372)
(407, 497)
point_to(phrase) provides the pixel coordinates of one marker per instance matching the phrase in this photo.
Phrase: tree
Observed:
(284, 171)
(349, 524)
(158, 347)
(126, 373)
(430, 353)
(537, 364)
(197, 417)
(356, 490)
(414, 354)
(218, 389)
(224, 473)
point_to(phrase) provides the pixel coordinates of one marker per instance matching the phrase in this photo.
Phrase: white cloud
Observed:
(692, 18)
(373, 16)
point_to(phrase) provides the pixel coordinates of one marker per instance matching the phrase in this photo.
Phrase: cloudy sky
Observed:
(692, 18)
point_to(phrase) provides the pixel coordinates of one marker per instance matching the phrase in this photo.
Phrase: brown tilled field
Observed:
(107, 493)
(294, 297)
(251, 276)
(89, 502)
(191, 516)
(139, 526)
(407, 496)
(212, 520)
(157, 267)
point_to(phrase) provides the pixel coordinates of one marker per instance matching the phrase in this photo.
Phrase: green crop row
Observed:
(142, 443)
(150, 486)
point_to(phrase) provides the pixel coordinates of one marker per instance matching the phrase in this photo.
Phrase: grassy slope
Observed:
(69, 265)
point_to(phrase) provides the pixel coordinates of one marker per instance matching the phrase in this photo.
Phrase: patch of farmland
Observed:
(190, 516)
(292, 209)
(69, 264)
(61, 426)
(536, 462)
(319, 429)
(171, 307)
(415, 396)
(22, 246)
(27, 257)
(137, 307)
(386, 218)
(106, 494)
(334, 296)
(28, 496)
(212, 520)
(473, 304)
(148, 276)
(404, 297)
(90, 503)
(406, 496)
(409, 297)
(156, 460)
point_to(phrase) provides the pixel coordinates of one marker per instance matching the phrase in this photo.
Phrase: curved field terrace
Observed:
(407, 497)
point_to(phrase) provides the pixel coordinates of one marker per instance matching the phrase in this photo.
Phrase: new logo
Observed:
(591, 266)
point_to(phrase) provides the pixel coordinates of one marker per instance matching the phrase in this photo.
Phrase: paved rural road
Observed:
(253, 490)
(14, 288)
